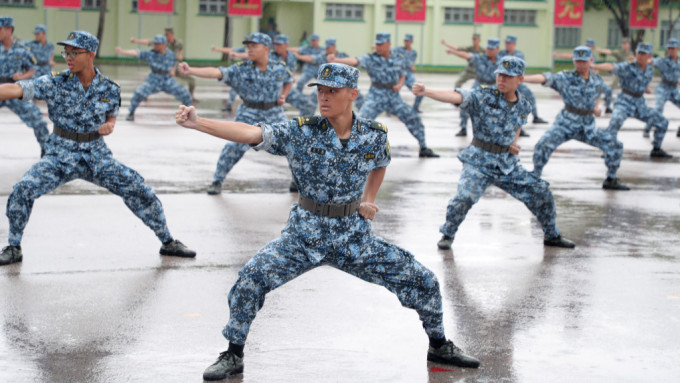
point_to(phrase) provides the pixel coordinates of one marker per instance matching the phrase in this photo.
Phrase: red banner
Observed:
(156, 6)
(70, 4)
(568, 13)
(488, 12)
(410, 10)
(644, 13)
(245, 8)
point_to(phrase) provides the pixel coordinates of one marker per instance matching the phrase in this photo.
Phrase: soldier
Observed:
(635, 78)
(580, 90)
(497, 113)
(620, 55)
(295, 98)
(469, 71)
(262, 83)
(387, 73)
(309, 70)
(510, 44)
(667, 90)
(162, 62)
(339, 160)
(17, 63)
(43, 51)
(410, 56)
(76, 149)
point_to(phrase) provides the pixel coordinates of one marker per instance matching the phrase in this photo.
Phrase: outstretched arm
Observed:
(10, 91)
(345, 60)
(304, 58)
(207, 72)
(229, 130)
(565, 56)
(127, 52)
(535, 79)
(604, 51)
(449, 46)
(442, 95)
(368, 208)
(140, 41)
(226, 50)
(607, 67)
(461, 54)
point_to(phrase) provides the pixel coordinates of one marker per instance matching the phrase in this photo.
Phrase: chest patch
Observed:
(318, 151)
(369, 156)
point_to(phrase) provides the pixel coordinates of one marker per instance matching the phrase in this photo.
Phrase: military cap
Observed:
(281, 39)
(511, 66)
(337, 75)
(644, 48)
(169, 30)
(382, 38)
(81, 39)
(6, 21)
(41, 28)
(590, 43)
(582, 53)
(408, 37)
(314, 37)
(625, 40)
(476, 36)
(330, 42)
(492, 43)
(160, 39)
(672, 43)
(259, 38)
(511, 39)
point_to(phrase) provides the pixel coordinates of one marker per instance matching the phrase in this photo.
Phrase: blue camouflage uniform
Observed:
(309, 70)
(577, 121)
(232, 92)
(259, 91)
(295, 97)
(410, 57)
(667, 90)
(485, 71)
(522, 88)
(631, 103)
(384, 74)
(330, 173)
(495, 123)
(18, 59)
(606, 89)
(78, 112)
(159, 80)
(42, 53)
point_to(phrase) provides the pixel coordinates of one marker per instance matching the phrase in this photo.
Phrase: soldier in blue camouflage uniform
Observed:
(387, 73)
(510, 44)
(234, 53)
(17, 63)
(497, 113)
(331, 49)
(83, 105)
(580, 90)
(669, 69)
(410, 57)
(262, 83)
(309, 70)
(339, 160)
(295, 97)
(162, 62)
(42, 50)
(635, 78)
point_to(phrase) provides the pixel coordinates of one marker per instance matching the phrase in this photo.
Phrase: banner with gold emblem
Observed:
(410, 10)
(644, 13)
(568, 13)
(245, 8)
(489, 12)
(155, 6)
(68, 4)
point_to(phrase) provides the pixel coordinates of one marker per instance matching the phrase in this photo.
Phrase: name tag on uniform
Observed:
(104, 100)
(318, 151)
(369, 156)
(279, 79)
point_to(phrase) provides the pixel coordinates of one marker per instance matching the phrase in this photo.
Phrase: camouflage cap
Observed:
(330, 42)
(169, 30)
(510, 39)
(6, 21)
(511, 66)
(160, 39)
(492, 43)
(590, 43)
(408, 37)
(258, 38)
(644, 48)
(281, 39)
(81, 39)
(315, 37)
(382, 38)
(476, 36)
(672, 43)
(625, 40)
(582, 53)
(336, 75)
(40, 28)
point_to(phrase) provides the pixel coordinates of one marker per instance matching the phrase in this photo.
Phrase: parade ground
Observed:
(93, 301)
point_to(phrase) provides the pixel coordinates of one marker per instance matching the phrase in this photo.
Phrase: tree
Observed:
(100, 29)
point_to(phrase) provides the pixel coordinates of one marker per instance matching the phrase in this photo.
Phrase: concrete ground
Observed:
(93, 301)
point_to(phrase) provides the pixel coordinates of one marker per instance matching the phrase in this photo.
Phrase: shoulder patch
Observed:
(307, 120)
(484, 86)
(375, 125)
(62, 74)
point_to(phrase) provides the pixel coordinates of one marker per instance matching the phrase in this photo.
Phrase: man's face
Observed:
(508, 84)
(510, 46)
(158, 47)
(673, 52)
(334, 101)
(331, 49)
(281, 49)
(383, 48)
(256, 51)
(642, 58)
(315, 43)
(80, 59)
(625, 46)
(170, 36)
(5, 32)
(40, 36)
(408, 43)
(476, 42)
(582, 66)
(492, 52)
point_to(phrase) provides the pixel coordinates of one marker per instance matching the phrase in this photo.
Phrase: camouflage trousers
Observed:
(234, 151)
(664, 93)
(160, 83)
(30, 114)
(59, 166)
(521, 184)
(379, 100)
(569, 126)
(346, 244)
(409, 81)
(629, 106)
(608, 95)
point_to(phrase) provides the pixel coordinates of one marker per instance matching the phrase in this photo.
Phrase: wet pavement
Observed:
(93, 301)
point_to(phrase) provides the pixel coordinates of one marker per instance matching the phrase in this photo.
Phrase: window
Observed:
(345, 11)
(91, 4)
(389, 13)
(567, 37)
(613, 34)
(212, 7)
(459, 15)
(665, 26)
(17, 2)
(134, 5)
(520, 17)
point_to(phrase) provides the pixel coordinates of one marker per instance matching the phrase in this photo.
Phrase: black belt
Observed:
(578, 111)
(489, 147)
(631, 93)
(260, 105)
(383, 86)
(6, 79)
(42, 63)
(486, 82)
(75, 136)
(160, 72)
(669, 83)
(331, 210)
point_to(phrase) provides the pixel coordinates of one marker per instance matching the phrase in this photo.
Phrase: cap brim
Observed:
(580, 58)
(505, 72)
(330, 84)
(72, 43)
